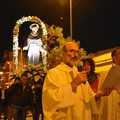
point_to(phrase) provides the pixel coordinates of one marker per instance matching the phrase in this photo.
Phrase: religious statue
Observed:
(35, 46)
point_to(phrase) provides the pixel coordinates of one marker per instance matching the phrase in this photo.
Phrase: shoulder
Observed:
(55, 69)
(51, 71)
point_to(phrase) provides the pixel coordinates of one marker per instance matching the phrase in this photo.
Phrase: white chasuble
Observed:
(60, 102)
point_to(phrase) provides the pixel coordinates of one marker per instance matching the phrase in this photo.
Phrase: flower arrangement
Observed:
(16, 34)
(54, 39)
(36, 73)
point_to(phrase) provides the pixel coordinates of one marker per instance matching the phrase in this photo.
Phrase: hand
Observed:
(106, 91)
(80, 78)
(25, 48)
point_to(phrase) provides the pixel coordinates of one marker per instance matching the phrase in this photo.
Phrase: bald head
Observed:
(69, 45)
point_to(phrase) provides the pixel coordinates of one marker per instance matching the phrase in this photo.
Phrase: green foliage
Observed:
(55, 41)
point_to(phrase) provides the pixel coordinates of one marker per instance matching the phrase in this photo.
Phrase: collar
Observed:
(63, 67)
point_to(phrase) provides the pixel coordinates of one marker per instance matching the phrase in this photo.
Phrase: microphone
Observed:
(80, 68)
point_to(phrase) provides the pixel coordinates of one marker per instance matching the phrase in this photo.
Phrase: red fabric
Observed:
(94, 85)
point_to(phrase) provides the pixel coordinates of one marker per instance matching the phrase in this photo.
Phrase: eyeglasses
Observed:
(72, 52)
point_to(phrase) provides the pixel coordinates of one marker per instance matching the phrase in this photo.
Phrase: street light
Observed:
(71, 19)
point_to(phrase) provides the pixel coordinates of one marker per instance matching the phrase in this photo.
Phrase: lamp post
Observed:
(71, 19)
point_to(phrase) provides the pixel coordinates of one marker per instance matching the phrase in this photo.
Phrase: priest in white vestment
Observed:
(109, 107)
(66, 93)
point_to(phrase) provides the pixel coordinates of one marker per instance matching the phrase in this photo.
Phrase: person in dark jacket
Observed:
(2, 99)
(37, 107)
(22, 97)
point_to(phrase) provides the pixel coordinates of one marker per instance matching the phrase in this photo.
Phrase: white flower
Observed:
(29, 75)
(36, 78)
(34, 72)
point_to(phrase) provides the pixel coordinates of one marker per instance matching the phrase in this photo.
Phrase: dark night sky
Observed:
(96, 23)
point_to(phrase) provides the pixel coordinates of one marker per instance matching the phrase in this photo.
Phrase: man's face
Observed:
(116, 58)
(24, 80)
(70, 56)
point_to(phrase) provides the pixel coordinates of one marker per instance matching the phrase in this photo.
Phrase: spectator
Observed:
(89, 67)
(2, 100)
(21, 97)
(8, 105)
(37, 93)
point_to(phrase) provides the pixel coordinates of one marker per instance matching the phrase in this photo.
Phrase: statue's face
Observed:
(35, 30)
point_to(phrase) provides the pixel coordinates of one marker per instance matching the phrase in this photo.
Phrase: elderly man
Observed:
(66, 93)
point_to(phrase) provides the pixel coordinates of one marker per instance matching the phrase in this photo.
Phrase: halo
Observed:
(34, 25)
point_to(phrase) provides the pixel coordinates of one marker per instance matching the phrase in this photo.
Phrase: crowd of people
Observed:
(67, 93)
(19, 98)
